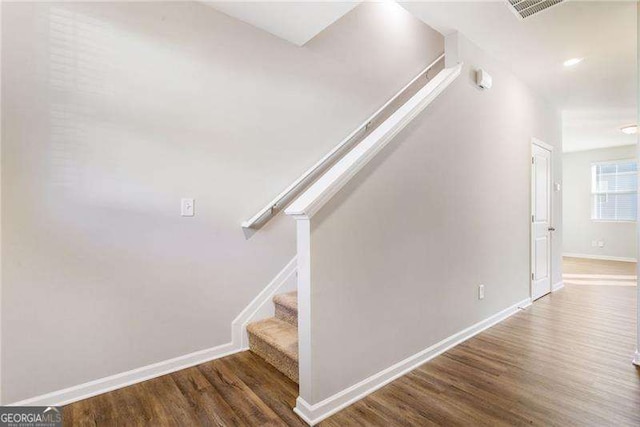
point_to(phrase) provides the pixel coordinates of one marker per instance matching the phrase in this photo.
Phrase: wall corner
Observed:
(452, 53)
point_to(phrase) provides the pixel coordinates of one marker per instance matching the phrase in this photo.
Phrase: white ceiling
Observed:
(295, 21)
(597, 96)
(588, 130)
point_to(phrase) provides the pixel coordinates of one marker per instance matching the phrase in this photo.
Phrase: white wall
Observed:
(579, 229)
(113, 111)
(397, 255)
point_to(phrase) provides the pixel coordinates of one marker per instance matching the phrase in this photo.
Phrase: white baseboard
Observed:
(124, 379)
(261, 307)
(557, 286)
(313, 414)
(601, 257)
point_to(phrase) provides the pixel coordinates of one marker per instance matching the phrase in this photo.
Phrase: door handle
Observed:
(551, 229)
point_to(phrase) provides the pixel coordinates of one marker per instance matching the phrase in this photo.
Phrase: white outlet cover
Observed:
(187, 207)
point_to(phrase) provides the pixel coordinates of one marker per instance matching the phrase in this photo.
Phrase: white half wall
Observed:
(396, 256)
(579, 229)
(114, 111)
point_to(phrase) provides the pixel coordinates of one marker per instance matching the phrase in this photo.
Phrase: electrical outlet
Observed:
(481, 292)
(601, 244)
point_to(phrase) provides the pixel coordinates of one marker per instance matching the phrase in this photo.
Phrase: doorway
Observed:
(541, 218)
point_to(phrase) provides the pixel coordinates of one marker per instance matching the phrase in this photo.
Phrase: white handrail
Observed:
(335, 178)
(331, 157)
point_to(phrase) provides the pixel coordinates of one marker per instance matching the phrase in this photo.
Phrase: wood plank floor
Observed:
(565, 361)
(238, 390)
(595, 266)
(581, 271)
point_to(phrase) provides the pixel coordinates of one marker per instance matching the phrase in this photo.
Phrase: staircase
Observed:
(276, 339)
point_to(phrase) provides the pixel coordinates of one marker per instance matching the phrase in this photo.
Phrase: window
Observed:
(614, 191)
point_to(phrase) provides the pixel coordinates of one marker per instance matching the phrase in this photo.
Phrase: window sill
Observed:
(614, 221)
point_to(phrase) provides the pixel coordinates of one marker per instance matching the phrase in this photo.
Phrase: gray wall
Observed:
(114, 111)
(397, 255)
(579, 229)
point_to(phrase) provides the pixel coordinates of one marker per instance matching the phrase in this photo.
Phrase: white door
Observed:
(540, 221)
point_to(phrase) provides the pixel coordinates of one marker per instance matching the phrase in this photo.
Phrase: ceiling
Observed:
(294, 21)
(597, 96)
(588, 130)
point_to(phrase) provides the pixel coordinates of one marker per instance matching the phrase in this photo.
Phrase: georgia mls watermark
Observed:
(30, 416)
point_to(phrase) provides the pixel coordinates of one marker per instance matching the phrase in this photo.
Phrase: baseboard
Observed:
(313, 414)
(305, 411)
(600, 257)
(557, 286)
(124, 379)
(261, 307)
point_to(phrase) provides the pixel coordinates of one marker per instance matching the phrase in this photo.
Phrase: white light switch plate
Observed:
(481, 292)
(186, 207)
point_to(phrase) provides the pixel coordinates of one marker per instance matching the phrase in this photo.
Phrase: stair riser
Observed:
(287, 314)
(274, 357)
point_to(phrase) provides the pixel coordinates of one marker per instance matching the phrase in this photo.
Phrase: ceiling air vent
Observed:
(527, 8)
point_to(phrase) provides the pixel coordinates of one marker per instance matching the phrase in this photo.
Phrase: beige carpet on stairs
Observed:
(276, 339)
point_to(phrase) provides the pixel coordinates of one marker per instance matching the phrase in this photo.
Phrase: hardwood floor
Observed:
(581, 271)
(565, 361)
(596, 266)
(238, 390)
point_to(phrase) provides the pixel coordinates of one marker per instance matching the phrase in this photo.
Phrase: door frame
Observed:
(544, 145)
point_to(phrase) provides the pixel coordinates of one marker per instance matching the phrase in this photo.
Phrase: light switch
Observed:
(556, 186)
(186, 207)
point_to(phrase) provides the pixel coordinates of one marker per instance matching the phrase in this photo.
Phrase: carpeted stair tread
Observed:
(286, 307)
(289, 300)
(276, 341)
(278, 334)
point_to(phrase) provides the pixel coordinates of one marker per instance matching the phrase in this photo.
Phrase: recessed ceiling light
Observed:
(571, 62)
(630, 130)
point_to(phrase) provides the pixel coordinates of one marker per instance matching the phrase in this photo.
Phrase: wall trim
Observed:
(249, 314)
(542, 144)
(124, 379)
(636, 359)
(313, 414)
(144, 373)
(601, 257)
(557, 286)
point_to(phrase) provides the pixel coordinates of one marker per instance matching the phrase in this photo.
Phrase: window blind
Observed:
(614, 191)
